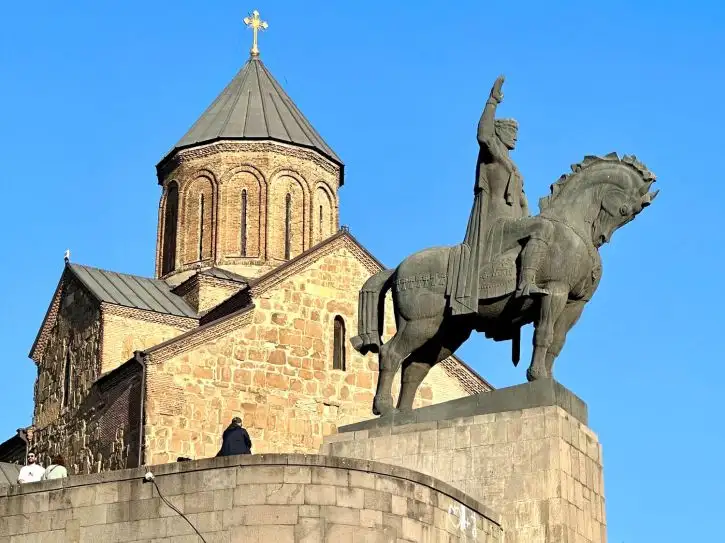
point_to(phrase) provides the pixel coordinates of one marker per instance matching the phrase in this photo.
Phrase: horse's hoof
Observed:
(381, 408)
(534, 375)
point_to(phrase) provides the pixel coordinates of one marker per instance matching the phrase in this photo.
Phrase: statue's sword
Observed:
(516, 346)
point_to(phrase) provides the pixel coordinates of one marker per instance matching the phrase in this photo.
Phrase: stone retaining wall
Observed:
(278, 498)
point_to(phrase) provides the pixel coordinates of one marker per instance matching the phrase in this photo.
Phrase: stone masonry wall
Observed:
(280, 498)
(541, 468)
(274, 369)
(74, 341)
(102, 432)
(126, 330)
(266, 172)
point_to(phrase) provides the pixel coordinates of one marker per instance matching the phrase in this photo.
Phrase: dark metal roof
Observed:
(12, 451)
(132, 291)
(254, 106)
(221, 273)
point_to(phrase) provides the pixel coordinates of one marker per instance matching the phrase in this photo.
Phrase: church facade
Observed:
(254, 299)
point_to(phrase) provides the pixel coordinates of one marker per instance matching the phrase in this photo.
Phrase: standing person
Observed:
(32, 472)
(235, 440)
(56, 470)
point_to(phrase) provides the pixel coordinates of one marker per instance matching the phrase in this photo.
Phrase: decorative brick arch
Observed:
(243, 178)
(199, 196)
(283, 182)
(324, 213)
(168, 247)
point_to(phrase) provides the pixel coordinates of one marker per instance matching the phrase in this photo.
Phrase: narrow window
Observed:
(201, 227)
(171, 214)
(66, 380)
(244, 222)
(320, 224)
(287, 226)
(338, 347)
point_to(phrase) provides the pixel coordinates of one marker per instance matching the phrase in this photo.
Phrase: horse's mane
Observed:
(589, 161)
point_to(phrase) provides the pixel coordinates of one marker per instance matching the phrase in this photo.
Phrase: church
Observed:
(249, 313)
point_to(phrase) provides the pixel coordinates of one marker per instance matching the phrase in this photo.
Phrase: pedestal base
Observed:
(524, 451)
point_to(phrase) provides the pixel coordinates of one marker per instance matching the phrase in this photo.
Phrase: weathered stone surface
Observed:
(538, 394)
(274, 368)
(540, 466)
(406, 506)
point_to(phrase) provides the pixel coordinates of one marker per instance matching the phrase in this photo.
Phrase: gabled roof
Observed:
(226, 275)
(253, 106)
(132, 291)
(115, 288)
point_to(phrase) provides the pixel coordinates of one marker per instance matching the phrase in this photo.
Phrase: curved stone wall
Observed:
(260, 498)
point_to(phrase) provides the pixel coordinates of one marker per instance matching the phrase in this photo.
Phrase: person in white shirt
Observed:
(55, 470)
(32, 471)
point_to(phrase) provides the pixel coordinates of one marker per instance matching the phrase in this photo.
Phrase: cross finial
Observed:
(256, 25)
(66, 256)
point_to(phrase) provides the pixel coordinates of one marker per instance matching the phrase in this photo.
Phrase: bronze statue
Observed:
(511, 270)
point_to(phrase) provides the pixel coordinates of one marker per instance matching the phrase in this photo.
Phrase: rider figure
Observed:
(499, 201)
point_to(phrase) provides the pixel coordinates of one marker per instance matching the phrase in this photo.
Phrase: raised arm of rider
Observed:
(486, 126)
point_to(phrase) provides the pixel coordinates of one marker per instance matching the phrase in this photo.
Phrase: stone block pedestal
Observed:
(524, 451)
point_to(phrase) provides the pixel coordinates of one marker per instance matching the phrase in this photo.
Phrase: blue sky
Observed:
(94, 94)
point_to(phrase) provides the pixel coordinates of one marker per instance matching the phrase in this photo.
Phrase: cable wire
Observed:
(173, 507)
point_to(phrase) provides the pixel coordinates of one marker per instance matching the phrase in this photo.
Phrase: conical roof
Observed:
(253, 106)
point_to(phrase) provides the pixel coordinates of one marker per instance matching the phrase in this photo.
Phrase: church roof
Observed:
(253, 106)
(132, 291)
(226, 275)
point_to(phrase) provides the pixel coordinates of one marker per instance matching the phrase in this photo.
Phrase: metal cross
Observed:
(256, 24)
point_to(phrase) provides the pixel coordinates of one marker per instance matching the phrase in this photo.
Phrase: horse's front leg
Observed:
(550, 309)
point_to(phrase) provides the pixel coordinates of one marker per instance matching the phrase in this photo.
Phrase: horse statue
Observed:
(584, 209)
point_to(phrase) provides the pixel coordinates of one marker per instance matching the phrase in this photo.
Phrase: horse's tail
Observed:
(371, 313)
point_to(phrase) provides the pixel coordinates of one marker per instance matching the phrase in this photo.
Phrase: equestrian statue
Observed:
(512, 268)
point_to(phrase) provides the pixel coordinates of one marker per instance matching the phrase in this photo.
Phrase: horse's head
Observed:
(605, 193)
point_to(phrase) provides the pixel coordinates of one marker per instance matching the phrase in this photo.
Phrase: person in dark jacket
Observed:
(235, 440)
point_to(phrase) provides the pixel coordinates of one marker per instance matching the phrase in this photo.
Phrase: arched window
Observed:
(243, 225)
(201, 227)
(287, 226)
(320, 228)
(338, 347)
(171, 214)
(66, 379)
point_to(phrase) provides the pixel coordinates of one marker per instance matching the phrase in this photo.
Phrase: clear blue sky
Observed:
(93, 95)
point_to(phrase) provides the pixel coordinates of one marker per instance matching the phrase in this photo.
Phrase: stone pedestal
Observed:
(524, 451)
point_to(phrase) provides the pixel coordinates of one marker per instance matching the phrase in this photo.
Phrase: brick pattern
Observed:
(230, 226)
(272, 366)
(281, 499)
(203, 292)
(103, 431)
(268, 172)
(127, 331)
(197, 202)
(540, 468)
(323, 214)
